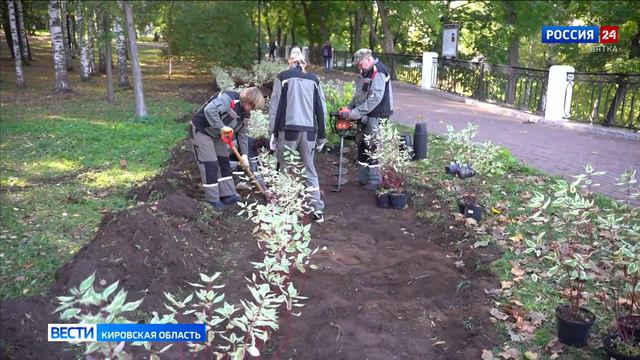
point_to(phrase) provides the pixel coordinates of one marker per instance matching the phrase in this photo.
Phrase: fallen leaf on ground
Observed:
(536, 318)
(498, 314)
(517, 237)
(123, 163)
(438, 343)
(511, 353)
(486, 355)
(530, 355)
(506, 284)
(516, 271)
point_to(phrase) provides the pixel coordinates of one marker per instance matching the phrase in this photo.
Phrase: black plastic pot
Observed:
(574, 332)
(398, 201)
(630, 325)
(612, 351)
(473, 211)
(383, 200)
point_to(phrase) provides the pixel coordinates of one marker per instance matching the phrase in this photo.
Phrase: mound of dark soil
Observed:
(387, 284)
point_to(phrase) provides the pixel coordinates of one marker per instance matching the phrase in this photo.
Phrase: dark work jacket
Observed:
(297, 104)
(366, 84)
(223, 109)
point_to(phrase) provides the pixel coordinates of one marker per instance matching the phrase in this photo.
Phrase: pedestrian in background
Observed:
(327, 54)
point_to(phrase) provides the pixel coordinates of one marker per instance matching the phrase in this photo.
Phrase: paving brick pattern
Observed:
(555, 150)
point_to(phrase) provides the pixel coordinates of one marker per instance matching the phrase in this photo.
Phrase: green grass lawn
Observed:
(65, 160)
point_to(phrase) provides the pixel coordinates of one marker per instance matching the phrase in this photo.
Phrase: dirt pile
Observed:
(388, 286)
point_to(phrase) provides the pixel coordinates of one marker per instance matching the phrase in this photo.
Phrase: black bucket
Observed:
(473, 211)
(383, 201)
(398, 201)
(574, 332)
(420, 141)
(612, 351)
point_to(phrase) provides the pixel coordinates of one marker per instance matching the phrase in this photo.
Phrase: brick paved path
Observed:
(555, 150)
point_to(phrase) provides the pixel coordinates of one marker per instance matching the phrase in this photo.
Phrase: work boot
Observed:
(218, 205)
(318, 217)
(231, 199)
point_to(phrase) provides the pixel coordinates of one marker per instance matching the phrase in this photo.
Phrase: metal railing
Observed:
(605, 99)
(516, 87)
(402, 67)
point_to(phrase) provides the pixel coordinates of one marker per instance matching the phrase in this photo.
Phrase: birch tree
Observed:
(141, 110)
(22, 32)
(65, 33)
(59, 57)
(81, 29)
(91, 31)
(106, 44)
(121, 47)
(16, 45)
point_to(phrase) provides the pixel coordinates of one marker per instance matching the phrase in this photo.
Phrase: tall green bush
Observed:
(213, 32)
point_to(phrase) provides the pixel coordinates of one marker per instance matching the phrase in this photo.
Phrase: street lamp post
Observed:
(259, 20)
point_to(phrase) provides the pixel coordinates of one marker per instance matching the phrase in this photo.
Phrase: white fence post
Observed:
(559, 93)
(429, 69)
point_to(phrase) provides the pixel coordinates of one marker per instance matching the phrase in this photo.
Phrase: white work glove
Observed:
(354, 114)
(320, 144)
(272, 143)
(245, 159)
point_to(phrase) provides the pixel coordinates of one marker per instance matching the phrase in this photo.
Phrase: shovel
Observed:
(228, 139)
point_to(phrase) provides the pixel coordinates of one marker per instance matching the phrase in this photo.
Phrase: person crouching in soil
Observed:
(225, 112)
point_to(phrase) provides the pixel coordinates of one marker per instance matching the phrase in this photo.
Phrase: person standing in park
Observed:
(227, 112)
(297, 121)
(372, 102)
(272, 51)
(327, 54)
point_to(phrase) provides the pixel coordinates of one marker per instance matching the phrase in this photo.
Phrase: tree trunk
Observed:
(16, 46)
(91, 31)
(373, 37)
(268, 25)
(7, 27)
(309, 25)
(168, 38)
(81, 27)
(65, 33)
(22, 32)
(121, 46)
(106, 28)
(59, 56)
(102, 55)
(74, 37)
(387, 44)
(293, 35)
(357, 28)
(279, 29)
(283, 47)
(28, 48)
(138, 92)
(514, 52)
